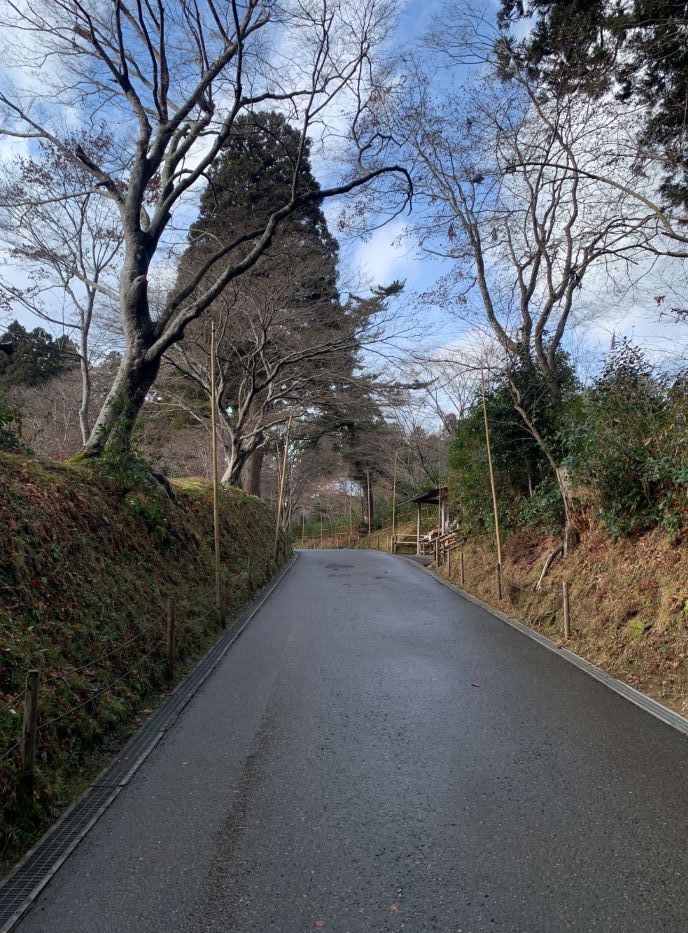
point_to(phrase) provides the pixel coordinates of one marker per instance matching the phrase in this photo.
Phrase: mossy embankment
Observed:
(628, 597)
(87, 565)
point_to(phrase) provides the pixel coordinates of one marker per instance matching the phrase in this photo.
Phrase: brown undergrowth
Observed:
(628, 597)
(87, 566)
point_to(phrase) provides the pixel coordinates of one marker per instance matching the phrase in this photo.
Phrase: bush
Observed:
(629, 445)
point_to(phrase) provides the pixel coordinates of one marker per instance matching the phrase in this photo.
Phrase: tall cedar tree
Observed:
(245, 185)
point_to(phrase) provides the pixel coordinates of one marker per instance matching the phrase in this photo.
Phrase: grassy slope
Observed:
(629, 602)
(86, 568)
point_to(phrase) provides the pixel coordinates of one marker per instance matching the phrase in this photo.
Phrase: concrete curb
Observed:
(18, 894)
(642, 700)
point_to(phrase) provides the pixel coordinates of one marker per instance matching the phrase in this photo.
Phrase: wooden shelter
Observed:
(438, 496)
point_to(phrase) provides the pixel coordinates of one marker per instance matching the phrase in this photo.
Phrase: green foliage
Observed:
(35, 358)
(544, 508)
(9, 420)
(520, 464)
(630, 445)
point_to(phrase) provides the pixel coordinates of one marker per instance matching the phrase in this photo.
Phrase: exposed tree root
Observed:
(557, 552)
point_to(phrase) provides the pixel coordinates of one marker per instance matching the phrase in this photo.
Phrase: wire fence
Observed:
(161, 646)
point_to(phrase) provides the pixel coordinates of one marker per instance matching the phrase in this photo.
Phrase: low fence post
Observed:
(567, 611)
(449, 562)
(498, 574)
(170, 636)
(221, 614)
(462, 569)
(30, 727)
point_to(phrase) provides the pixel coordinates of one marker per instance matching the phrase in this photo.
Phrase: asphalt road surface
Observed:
(376, 753)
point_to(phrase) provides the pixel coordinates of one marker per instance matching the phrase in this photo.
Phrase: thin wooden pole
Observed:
(449, 562)
(394, 495)
(492, 483)
(369, 515)
(439, 478)
(170, 637)
(216, 479)
(321, 530)
(303, 528)
(567, 610)
(462, 569)
(30, 726)
(280, 495)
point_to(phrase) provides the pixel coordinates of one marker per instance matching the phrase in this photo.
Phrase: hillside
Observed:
(87, 565)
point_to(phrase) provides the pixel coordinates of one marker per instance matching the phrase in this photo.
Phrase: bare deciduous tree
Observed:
(66, 241)
(172, 77)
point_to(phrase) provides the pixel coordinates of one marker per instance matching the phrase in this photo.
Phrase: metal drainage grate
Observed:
(22, 887)
(39, 865)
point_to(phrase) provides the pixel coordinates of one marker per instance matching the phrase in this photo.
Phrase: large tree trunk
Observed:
(115, 424)
(255, 468)
(236, 458)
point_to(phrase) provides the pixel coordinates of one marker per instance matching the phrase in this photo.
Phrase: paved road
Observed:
(377, 754)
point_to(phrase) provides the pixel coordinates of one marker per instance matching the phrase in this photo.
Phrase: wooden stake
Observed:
(30, 726)
(303, 528)
(394, 496)
(170, 637)
(221, 612)
(321, 530)
(493, 488)
(369, 515)
(498, 575)
(462, 570)
(567, 610)
(280, 497)
(449, 562)
(216, 482)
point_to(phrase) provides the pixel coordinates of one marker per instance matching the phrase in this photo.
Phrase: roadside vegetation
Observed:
(87, 566)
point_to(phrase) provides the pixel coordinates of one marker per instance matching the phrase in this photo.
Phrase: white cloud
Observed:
(384, 256)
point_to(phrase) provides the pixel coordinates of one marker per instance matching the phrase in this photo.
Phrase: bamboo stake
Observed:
(394, 495)
(493, 488)
(567, 610)
(216, 481)
(170, 637)
(30, 727)
(280, 495)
